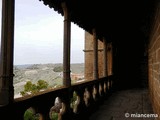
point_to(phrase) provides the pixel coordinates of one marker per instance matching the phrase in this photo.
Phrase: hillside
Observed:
(35, 72)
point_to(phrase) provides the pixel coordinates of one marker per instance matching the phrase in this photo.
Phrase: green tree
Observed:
(58, 69)
(42, 84)
(54, 116)
(29, 115)
(34, 88)
(29, 87)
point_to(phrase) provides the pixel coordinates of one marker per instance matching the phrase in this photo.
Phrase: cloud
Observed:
(39, 35)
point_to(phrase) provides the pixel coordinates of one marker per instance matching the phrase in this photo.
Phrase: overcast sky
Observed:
(39, 35)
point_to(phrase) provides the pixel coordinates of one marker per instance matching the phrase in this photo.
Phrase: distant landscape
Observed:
(51, 73)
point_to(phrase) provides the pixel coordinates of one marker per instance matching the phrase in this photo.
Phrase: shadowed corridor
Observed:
(125, 102)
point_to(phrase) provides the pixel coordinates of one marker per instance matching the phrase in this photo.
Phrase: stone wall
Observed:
(89, 57)
(109, 58)
(154, 63)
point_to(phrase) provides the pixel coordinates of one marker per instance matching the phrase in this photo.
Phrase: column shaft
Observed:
(6, 55)
(95, 55)
(105, 70)
(66, 47)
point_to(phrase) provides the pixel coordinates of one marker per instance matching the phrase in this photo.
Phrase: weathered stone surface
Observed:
(125, 102)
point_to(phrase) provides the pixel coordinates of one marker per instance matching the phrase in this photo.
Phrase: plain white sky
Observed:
(39, 35)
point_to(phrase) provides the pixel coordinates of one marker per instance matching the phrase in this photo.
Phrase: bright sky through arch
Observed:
(39, 35)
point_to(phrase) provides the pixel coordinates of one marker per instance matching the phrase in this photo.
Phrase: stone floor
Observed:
(120, 105)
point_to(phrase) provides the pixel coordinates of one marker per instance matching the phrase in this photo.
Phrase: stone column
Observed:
(111, 59)
(6, 53)
(95, 55)
(66, 47)
(105, 69)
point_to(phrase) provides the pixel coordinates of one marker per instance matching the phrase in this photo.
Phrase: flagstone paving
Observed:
(131, 104)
